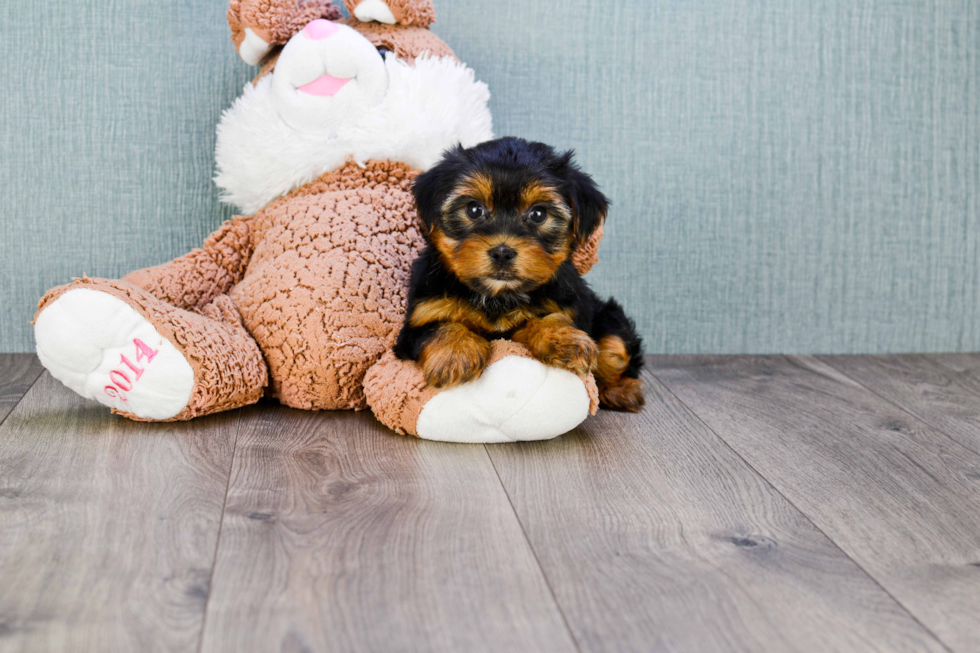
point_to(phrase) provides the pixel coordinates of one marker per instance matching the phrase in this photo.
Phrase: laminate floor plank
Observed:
(108, 527)
(18, 372)
(656, 536)
(341, 536)
(900, 497)
(967, 365)
(941, 390)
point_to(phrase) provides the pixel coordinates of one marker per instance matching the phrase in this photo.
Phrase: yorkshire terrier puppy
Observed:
(503, 220)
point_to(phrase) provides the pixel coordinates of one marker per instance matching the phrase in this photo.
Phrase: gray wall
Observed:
(788, 175)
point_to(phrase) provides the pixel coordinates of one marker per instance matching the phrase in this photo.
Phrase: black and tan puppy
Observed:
(503, 220)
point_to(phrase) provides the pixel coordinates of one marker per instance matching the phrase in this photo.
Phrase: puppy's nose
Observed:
(320, 28)
(502, 254)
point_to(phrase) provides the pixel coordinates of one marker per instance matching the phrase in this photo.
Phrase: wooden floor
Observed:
(757, 504)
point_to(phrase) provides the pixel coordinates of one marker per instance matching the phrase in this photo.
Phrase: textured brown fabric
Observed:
(194, 280)
(413, 12)
(587, 255)
(325, 292)
(228, 368)
(276, 21)
(351, 176)
(406, 12)
(396, 390)
(406, 42)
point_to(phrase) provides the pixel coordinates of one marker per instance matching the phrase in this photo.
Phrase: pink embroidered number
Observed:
(142, 350)
(120, 380)
(112, 392)
(138, 371)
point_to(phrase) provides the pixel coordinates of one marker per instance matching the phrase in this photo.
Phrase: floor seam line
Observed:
(908, 411)
(221, 524)
(534, 554)
(809, 519)
(23, 396)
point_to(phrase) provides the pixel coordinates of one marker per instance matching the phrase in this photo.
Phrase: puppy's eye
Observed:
(537, 215)
(474, 211)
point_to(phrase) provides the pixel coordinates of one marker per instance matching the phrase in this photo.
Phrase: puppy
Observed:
(503, 220)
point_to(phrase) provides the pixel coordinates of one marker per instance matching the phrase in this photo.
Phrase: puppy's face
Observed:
(503, 230)
(506, 214)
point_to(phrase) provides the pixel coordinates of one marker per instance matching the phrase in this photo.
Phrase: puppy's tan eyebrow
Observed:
(537, 192)
(478, 186)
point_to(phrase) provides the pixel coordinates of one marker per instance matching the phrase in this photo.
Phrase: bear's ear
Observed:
(433, 187)
(589, 206)
(419, 13)
(257, 26)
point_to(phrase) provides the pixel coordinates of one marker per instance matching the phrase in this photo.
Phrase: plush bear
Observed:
(302, 296)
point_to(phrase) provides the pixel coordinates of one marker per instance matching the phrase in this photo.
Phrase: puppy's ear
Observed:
(431, 188)
(589, 205)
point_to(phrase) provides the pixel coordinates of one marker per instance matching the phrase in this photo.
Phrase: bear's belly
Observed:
(325, 292)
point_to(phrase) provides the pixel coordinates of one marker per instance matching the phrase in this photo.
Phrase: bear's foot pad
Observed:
(103, 349)
(515, 399)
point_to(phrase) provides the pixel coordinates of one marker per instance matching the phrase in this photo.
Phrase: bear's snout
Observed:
(327, 76)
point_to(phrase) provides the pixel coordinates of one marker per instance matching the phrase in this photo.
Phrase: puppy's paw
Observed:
(454, 356)
(624, 394)
(569, 349)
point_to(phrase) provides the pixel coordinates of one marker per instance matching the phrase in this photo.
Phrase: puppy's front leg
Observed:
(453, 355)
(555, 341)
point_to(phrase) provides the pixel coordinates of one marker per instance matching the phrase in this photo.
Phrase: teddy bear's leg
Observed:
(516, 398)
(116, 343)
(194, 280)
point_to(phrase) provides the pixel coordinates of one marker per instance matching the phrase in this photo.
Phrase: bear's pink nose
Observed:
(320, 28)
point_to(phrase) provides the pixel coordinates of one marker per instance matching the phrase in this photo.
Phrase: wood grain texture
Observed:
(898, 496)
(18, 372)
(108, 527)
(341, 536)
(656, 537)
(941, 390)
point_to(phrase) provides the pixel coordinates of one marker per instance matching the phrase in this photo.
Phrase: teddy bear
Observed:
(300, 297)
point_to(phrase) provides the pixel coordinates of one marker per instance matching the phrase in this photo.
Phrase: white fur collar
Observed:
(428, 108)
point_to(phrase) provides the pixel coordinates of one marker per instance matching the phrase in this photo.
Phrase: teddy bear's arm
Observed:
(193, 281)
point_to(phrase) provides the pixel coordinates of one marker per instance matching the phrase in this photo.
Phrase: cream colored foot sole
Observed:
(515, 399)
(103, 349)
